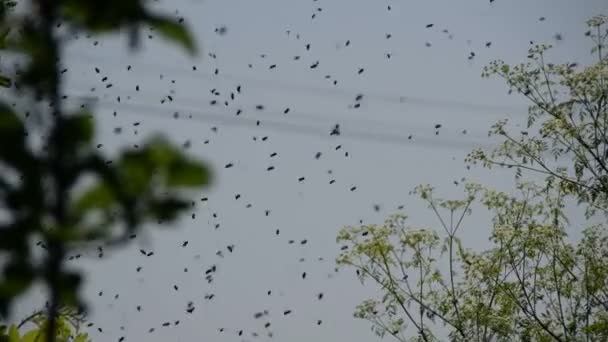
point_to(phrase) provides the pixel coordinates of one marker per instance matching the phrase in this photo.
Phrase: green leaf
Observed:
(161, 153)
(102, 16)
(5, 82)
(13, 147)
(100, 197)
(83, 337)
(173, 31)
(10, 124)
(41, 334)
(17, 277)
(136, 172)
(4, 32)
(166, 209)
(13, 334)
(79, 129)
(187, 173)
(32, 336)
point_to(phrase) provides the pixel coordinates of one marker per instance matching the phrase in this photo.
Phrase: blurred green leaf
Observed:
(83, 337)
(160, 153)
(41, 334)
(100, 16)
(4, 32)
(17, 277)
(38, 72)
(12, 139)
(11, 126)
(13, 334)
(78, 129)
(69, 283)
(135, 171)
(11, 237)
(101, 196)
(187, 174)
(32, 336)
(179, 170)
(166, 209)
(5, 82)
(15, 283)
(174, 32)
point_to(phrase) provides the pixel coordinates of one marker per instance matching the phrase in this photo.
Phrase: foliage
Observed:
(534, 283)
(5, 5)
(62, 191)
(570, 110)
(69, 325)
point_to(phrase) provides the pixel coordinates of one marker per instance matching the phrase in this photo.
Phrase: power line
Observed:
(351, 93)
(294, 114)
(284, 127)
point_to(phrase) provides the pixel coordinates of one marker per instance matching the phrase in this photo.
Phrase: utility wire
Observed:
(294, 114)
(319, 91)
(166, 113)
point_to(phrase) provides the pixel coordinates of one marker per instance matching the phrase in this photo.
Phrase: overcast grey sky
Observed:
(418, 87)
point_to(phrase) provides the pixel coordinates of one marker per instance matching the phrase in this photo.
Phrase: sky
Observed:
(428, 80)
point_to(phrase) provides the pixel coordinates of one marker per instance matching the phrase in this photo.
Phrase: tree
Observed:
(7, 5)
(534, 283)
(63, 192)
(569, 109)
(69, 327)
